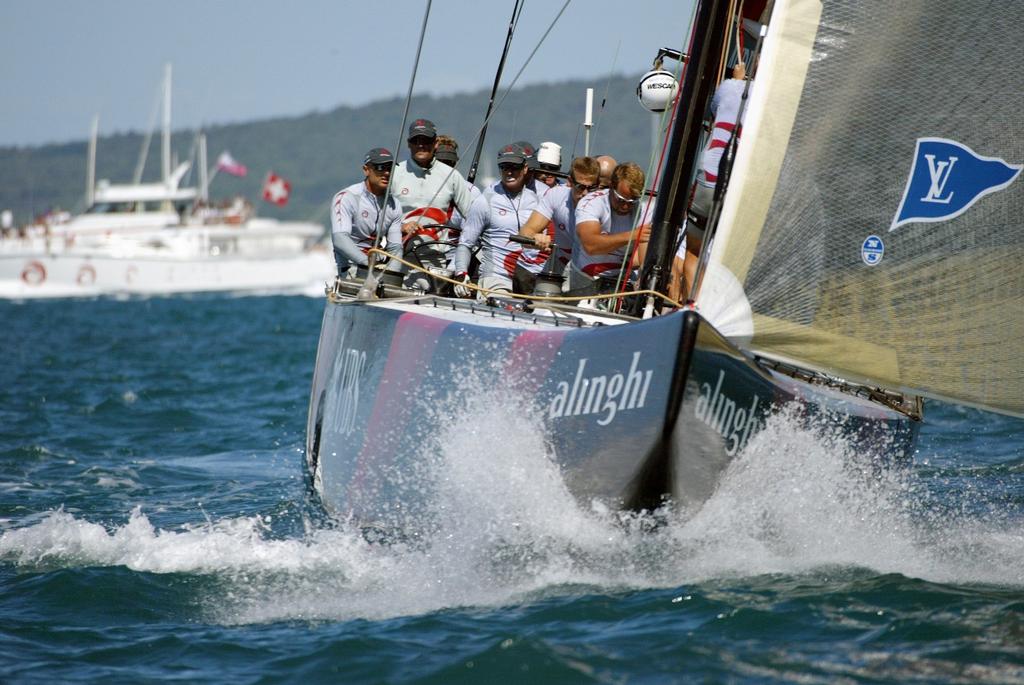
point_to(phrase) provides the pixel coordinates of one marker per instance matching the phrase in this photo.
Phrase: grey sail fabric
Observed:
(862, 249)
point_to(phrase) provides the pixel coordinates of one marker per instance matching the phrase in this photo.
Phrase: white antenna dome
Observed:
(657, 89)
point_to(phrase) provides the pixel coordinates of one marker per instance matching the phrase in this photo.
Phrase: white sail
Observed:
(861, 251)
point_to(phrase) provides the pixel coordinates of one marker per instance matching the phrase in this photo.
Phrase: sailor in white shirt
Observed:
(510, 205)
(355, 213)
(608, 223)
(447, 151)
(554, 220)
(427, 190)
(549, 159)
(423, 181)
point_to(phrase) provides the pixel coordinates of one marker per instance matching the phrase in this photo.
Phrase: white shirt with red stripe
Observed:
(556, 205)
(456, 219)
(506, 215)
(725, 107)
(354, 213)
(596, 207)
(439, 185)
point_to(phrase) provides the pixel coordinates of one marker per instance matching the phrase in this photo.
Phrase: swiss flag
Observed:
(276, 189)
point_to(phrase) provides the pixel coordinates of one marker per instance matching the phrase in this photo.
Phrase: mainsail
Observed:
(875, 218)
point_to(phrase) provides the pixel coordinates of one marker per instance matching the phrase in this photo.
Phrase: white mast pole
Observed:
(204, 181)
(90, 170)
(588, 122)
(167, 125)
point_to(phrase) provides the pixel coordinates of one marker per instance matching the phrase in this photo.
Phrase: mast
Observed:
(683, 153)
(90, 168)
(204, 180)
(166, 151)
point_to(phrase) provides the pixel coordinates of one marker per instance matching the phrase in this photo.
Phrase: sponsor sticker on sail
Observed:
(948, 177)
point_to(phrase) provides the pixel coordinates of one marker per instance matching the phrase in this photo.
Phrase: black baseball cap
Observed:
(422, 127)
(446, 152)
(379, 155)
(512, 153)
(529, 150)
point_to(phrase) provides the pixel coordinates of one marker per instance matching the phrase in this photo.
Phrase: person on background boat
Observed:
(605, 229)
(549, 159)
(510, 205)
(556, 210)
(355, 213)
(608, 164)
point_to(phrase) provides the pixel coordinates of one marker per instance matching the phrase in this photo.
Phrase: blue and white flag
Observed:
(947, 178)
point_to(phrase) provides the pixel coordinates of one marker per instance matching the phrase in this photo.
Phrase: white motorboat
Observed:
(162, 238)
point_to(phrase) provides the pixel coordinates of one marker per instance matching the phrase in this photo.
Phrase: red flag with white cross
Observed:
(276, 189)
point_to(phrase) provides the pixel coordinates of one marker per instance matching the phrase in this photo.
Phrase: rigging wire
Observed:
(513, 23)
(140, 165)
(666, 119)
(604, 98)
(501, 100)
(725, 172)
(370, 285)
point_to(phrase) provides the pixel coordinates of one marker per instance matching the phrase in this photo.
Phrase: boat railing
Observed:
(486, 293)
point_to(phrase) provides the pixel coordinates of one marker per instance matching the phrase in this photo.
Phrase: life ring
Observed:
(86, 275)
(33, 274)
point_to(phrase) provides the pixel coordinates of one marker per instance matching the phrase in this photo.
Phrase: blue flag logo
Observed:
(947, 178)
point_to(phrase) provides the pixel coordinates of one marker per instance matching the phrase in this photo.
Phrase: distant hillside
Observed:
(322, 152)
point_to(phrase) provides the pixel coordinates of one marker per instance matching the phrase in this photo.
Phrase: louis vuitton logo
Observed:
(939, 173)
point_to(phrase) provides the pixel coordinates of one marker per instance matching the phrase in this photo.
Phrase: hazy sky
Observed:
(62, 61)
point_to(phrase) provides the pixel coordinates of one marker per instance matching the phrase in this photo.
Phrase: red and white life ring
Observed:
(33, 274)
(86, 275)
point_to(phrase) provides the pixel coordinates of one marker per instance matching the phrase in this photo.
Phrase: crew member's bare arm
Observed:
(595, 242)
(536, 228)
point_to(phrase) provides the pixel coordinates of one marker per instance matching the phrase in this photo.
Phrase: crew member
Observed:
(424, 182)
(605, 222)
(549, 159)
(608, 164)
(510, 205)
(557, 209)
(355, 213)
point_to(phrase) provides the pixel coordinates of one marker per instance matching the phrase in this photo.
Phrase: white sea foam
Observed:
(507, 529)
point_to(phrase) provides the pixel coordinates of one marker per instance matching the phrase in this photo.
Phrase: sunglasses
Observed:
(623, 200)
(584, 188)
(384, 168)
(421, 140)
(509, 166)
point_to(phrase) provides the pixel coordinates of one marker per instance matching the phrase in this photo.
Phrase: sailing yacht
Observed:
(162, 238)
(862, 254)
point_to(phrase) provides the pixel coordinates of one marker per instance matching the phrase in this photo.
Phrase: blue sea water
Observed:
(155, 525)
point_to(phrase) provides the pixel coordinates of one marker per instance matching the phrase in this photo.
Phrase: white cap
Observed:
(550, 153)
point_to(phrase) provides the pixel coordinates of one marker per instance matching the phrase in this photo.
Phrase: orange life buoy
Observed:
(34, 273)
(86, 275)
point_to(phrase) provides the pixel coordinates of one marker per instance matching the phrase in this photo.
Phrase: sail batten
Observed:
(875, 218)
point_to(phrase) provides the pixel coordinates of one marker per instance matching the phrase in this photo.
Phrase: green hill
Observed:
(321, 152)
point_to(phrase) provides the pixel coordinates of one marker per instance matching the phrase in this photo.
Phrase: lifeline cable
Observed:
(532, 298)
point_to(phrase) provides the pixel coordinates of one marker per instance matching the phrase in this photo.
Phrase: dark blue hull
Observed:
(635, 413)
